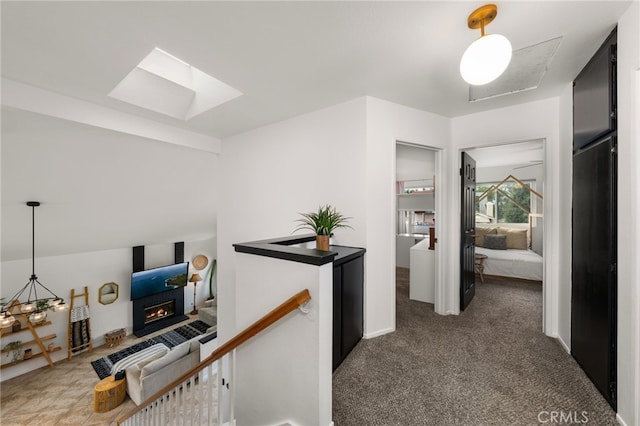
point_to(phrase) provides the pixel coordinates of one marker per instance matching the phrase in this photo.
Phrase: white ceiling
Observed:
(66, 143)
(289, 58)
(514, 154)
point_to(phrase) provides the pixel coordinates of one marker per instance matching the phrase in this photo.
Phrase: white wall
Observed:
(565, 158)
(534, 120)
(388, 123)
(284, 373)
(92, 269)
(99, 189)
(102, 192)
(628, 214)
(274, 172)
(343, 155)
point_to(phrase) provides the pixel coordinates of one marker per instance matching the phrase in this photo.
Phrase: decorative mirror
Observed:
(108, 293)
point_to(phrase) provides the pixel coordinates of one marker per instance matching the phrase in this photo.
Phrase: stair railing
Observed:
(190, 398)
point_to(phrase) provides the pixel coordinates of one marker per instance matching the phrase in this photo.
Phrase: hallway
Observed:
(491, 365)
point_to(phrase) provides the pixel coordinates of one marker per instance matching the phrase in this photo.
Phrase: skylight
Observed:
(165, 84)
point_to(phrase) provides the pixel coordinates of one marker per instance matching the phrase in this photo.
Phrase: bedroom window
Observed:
(508, 203)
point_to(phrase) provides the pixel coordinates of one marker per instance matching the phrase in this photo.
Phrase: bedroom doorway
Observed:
(416, 193)
(509, 228)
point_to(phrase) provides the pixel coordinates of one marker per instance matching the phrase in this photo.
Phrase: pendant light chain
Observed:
(32, 305)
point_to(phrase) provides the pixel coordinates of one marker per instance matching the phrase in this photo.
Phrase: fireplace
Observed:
(159, 311)
(155, 312)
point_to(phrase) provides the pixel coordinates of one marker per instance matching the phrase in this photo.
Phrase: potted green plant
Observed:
(40, 315)
(16, 349)
(323, 223)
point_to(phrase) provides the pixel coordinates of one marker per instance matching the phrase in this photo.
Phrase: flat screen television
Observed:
(157, 280)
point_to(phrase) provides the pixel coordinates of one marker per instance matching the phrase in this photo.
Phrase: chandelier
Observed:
(38, 297)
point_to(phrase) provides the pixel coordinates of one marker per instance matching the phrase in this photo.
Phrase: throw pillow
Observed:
(495, 242)
(516, 238)
(151, 358)
(480, 234)
(174, 354)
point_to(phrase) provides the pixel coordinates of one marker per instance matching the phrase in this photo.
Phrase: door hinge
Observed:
(613, 114)
(460, 171)
(612, 390)
(614, 57)
(614, 266)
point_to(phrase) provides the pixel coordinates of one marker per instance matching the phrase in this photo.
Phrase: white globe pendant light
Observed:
(487, 57)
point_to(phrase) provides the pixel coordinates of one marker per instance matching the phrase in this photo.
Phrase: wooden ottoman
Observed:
(108, 394)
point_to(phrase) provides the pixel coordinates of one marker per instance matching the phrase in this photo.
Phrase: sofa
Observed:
(150, 371)
(209, 313)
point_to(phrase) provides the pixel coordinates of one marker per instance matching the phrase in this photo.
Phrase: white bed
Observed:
(525, 264)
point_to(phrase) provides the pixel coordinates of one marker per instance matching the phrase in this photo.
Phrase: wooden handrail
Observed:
(276, 314)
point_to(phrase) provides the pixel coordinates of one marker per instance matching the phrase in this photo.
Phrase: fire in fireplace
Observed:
(159, 311)
(148, 316)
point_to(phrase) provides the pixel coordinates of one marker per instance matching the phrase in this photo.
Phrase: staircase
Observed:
(202, 396)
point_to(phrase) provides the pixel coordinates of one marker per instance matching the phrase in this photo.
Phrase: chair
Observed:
(209, 313)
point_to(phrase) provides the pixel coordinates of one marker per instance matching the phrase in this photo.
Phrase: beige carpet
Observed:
(491, 365)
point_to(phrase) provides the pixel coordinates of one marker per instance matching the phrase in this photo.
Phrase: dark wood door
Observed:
(467, 230)
(594, 280)
(593, 291)
(594, 96)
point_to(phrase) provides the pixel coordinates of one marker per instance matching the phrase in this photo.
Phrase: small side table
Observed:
(108, 394)
(479, 265)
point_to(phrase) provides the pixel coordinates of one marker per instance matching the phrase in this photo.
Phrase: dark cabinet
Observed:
(594, 96)
(594, 227)
(348, 301)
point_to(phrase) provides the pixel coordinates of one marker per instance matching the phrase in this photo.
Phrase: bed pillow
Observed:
(516, 238)
(495, 242)
(481, 232)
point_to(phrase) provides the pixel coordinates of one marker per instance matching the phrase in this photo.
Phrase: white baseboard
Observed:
(563, 343)
(378, 333)
(619, 420)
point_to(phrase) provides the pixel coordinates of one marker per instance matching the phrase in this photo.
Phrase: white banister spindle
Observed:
(231, 387)
(184, 415)
(201, 400)
(220, 381)
(211, 381)
(196, 401)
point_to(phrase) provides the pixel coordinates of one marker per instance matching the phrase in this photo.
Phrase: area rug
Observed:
(102, 366)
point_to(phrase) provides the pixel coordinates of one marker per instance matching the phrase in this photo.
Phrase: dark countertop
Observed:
(284, 248)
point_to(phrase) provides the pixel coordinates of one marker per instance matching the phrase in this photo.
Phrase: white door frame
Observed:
(439, 299)
(549, 287)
